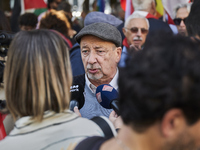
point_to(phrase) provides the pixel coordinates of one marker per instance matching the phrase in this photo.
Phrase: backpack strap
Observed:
(106, 126)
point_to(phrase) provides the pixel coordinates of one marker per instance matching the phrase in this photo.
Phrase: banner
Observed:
(159, 8)
(29, 4)
(33, 5)
(101, 5)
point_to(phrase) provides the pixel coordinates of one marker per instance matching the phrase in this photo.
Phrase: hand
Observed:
(76, 110)
(115, 119)
(136, 48)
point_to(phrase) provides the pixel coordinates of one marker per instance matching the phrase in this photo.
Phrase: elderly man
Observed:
(147, 8)
(182, 12)
(100, 51)
(135, 30)
(159, 99)
(92, 17)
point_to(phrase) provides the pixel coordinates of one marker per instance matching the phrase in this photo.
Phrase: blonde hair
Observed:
(37, 75)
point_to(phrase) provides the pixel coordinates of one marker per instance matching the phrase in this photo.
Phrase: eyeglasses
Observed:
(177, 21)
(135, 30)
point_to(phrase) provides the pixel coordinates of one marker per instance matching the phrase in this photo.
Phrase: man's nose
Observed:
(139, 32)
(92, 58)
(182, 23)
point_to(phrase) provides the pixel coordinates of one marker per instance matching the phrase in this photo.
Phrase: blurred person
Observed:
(147, 8)
(100, 53)
(14, 19)
(28, 21)
(4, 24)
(118, 11)
(135, 30)
(193, 22)
(58, 21)
(181, 13)
(65, 6)
(6, 122)
(37, 81)
(51, 4)
(158, 99)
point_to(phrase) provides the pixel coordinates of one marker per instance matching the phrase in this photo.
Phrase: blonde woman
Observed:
(37, 86)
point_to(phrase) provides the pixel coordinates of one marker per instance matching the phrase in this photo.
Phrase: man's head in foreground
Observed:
(100, 51)
(160, 94)
(193, 22)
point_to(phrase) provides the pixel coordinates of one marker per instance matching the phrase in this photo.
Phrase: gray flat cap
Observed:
(103, 31)
(97, 16)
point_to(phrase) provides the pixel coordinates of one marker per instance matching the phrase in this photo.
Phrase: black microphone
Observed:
(107, 97)
(77, 97)
(6, 38)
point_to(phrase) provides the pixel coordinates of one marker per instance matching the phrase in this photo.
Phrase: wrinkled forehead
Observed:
(182, 13)
(138, 22)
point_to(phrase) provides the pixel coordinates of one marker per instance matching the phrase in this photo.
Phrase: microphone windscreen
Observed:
(105, 94)
(77, 94)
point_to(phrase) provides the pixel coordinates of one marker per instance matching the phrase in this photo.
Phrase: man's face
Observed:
(55, 4)
(187, 139)
(136, 32)
(100, 58)
(182, 13)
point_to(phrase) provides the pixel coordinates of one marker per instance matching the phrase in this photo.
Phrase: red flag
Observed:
(127, 7)
(29, 4)
(123, 4)
(2, 129)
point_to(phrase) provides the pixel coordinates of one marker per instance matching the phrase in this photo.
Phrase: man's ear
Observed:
(124, 31)
(172, 123)
(153, 8)
(118, 53)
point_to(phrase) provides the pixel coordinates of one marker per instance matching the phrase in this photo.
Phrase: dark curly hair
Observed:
(162, 76)
(52, 21)
(28, 19)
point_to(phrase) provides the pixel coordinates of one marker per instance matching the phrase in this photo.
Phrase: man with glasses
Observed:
(135, 30)
(182, 12)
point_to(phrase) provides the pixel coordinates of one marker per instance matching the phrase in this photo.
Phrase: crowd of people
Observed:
(53, 61)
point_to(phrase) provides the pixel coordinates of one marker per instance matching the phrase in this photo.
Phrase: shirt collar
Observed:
(113, 82)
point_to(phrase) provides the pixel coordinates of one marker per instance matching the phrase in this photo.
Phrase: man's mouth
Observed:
(93, 71)
(137, 42)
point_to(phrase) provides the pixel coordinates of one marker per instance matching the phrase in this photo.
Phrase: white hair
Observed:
(187, 6)
(142, 4)
(135, 15)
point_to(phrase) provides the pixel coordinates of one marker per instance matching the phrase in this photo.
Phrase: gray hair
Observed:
(142, 4)
(187, 5)
(135, 15)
